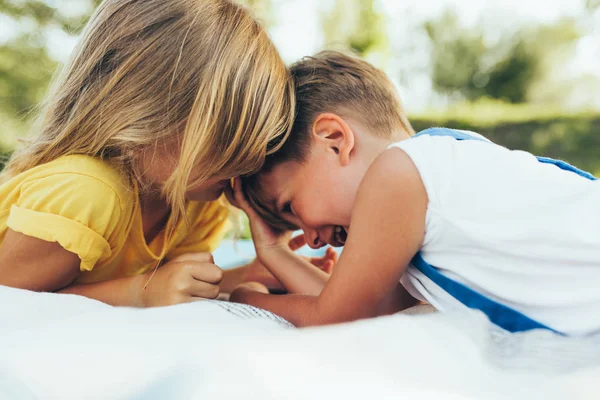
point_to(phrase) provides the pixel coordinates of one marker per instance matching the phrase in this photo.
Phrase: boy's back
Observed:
(521, 232)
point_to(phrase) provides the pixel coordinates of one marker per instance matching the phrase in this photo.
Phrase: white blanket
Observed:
(68, 347)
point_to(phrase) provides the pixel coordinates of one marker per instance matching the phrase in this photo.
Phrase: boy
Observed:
(445, 196)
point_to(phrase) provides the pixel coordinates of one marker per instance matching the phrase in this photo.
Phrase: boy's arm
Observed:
(233, 278)
(296, 274)
(276, 252)
(381, 242)
(292, 272)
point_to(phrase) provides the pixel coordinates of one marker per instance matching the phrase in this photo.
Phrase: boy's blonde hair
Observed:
(330, 82)
(146, 72)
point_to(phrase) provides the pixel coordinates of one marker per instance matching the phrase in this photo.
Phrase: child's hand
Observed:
(263, 235)
(189, 277)
(324, 263)
(275, 251)
(257, 272)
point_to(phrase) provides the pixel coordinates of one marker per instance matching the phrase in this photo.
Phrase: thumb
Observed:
(231, 196)
(240, 199)
(328, 267)
(297, 242)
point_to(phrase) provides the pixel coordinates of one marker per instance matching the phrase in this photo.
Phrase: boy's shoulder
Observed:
(392, 168)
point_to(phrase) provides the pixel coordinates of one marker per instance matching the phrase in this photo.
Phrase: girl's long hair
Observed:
(146, 72)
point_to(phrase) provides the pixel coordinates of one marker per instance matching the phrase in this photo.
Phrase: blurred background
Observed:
(525, 73)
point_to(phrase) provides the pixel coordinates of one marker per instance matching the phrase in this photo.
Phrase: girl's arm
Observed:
(381, 242)
(30, 263)
(33, 264)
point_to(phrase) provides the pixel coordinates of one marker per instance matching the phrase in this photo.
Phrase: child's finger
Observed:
(328, 266)
(323, 264)
(239, 196)
(297, 242)
(332, 254)
(231, 197)
(318, 262)
(241, 201)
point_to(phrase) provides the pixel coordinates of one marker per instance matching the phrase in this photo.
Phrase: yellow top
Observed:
(91, 209)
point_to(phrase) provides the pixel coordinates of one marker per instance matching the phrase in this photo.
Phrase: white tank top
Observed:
(522, 233)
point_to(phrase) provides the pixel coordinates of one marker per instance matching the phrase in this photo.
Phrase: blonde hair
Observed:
(333, 82)
(147, 71)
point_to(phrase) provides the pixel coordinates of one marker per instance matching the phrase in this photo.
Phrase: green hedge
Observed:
(572, 138)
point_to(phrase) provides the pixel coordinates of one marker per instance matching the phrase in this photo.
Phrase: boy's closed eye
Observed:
(287, 208)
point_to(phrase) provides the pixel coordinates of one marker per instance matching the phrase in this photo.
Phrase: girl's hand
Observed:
(187, 278)
(264, 237)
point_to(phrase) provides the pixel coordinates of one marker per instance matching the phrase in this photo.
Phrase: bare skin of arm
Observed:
(34, 264)
(375, 255)
(295, 273)
(299, 274)
(276, 252)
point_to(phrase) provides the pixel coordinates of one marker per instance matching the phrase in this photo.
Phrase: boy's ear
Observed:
(331, 131)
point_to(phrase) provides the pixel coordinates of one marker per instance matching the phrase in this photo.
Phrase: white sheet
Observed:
(69, 347)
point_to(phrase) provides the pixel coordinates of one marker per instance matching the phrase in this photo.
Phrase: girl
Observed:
(161, 104)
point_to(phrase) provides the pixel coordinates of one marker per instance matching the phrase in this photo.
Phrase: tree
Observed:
(592, 5)
(457, 57)
(465, 64)
(26, 66)
(355, 25)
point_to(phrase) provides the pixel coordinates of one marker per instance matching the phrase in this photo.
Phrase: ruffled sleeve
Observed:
(78, 211)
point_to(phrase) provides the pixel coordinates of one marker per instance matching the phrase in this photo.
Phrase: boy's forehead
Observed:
(279, 179)
(280, 174)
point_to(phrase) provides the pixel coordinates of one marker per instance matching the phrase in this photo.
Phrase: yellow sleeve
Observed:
(206, 231)
(79, 212)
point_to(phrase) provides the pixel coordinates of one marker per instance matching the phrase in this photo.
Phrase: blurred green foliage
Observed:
(468, 64)
(355, 25)
(26, 66)
(592, 4)
(25, 70)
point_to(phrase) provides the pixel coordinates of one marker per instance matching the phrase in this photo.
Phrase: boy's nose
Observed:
(313, 240)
